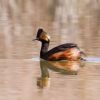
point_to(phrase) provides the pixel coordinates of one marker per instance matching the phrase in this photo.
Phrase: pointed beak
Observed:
(35, 39)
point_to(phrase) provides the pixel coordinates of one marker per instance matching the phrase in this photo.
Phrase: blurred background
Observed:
(75, 21)
(65, 20)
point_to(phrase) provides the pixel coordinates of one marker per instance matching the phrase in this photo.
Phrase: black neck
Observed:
(44, 49)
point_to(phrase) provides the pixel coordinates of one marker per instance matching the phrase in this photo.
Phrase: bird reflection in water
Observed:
(62, 67)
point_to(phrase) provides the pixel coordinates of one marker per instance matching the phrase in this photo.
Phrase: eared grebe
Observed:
(68, 51)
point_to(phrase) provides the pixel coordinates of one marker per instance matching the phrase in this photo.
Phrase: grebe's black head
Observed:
(42, 36)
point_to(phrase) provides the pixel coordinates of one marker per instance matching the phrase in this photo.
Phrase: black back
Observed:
(60, 48)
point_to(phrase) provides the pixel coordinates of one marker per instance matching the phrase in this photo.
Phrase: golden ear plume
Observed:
(44, 36)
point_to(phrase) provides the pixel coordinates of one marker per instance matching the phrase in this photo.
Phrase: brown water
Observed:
(22, 80)
(23, 76)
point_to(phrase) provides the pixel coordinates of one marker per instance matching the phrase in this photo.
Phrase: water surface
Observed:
(23, 76)
(24, 79)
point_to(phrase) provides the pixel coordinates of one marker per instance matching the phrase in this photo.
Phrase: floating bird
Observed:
(68, 51)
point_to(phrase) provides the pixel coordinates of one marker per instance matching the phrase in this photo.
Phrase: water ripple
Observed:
(93, 59)
(88, 59)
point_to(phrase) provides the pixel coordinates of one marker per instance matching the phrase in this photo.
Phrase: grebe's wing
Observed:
(63, 47)
(60, 48)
